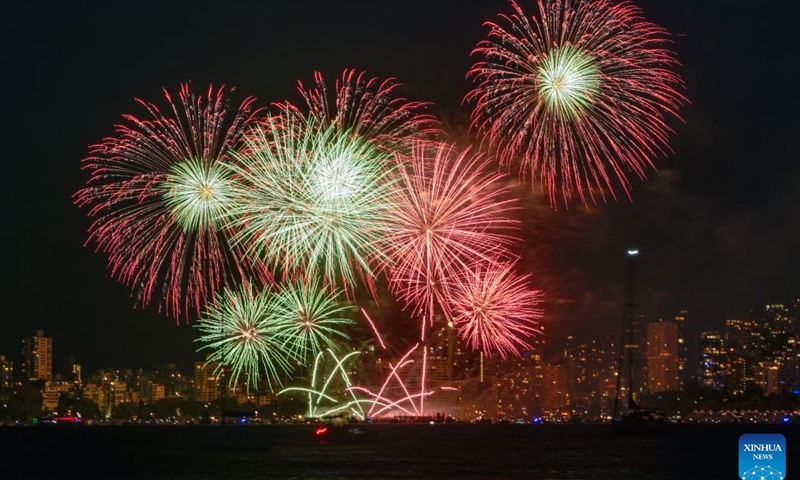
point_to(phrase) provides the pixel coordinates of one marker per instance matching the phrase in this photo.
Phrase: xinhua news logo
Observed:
(762, 456)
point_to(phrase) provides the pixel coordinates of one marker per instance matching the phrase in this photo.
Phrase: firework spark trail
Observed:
(495, 309)
(345, 376)
(580, 92)
(158, 193)
(315, 396)
(312, 201)
(446, 216)
(374, 329)
(368, 108)
(376, 399)
(393, 374)
(378, 402)
(409, 398)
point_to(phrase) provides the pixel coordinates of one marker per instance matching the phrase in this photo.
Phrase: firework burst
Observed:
(311, 315)
(368, 108)
(245, 337)
(312, 200)
(580, 92)
(447, 214)
(158, 193)
(494, 309)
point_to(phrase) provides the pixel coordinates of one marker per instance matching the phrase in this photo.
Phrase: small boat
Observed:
(639, 421)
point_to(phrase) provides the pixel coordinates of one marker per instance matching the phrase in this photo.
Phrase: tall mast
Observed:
(626, 337)
(632, 254)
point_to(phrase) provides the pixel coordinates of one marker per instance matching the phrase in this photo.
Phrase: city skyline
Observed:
(745, 359)
(646, 331)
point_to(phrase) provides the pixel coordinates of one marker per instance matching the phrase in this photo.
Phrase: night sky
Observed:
(717, 224)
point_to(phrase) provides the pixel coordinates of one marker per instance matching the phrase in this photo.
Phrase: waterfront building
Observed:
(767, 377)
(94, 391)
(37, 358)
(662, 356)
(207, 381)
(52, 394)
(555, 396)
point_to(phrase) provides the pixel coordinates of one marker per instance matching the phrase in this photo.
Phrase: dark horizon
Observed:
(717, 223)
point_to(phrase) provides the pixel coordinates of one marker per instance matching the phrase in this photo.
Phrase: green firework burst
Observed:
(312, 200)
(309, 317)
(244, 337)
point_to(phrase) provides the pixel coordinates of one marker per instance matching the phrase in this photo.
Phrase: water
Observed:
(381, 452)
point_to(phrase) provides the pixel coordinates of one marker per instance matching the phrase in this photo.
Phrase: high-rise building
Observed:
(589, 365)
(684, 373)
(790, 366)
(634, 364)
(554, 388)
(513, 385)
(6, 372)
(713, 369)
(662, 356)
(37, 358)
(741, 353)
(441, 352)
(207, 381)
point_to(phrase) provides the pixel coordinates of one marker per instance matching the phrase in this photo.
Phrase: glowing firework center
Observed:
(197, 194)
(336, 180)
(568, 79)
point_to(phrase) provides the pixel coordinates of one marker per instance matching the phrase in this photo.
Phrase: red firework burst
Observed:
(579, 93)
(447, 214)
(158, 193)
(494, 309)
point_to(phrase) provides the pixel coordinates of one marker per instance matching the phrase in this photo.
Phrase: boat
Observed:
(637, 420)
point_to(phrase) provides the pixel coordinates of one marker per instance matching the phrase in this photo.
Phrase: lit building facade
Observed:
(6, 372)
(37, 358)
(555, 396)
(662, 357)
(713, 369)
(207, 381)
(684, 373)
